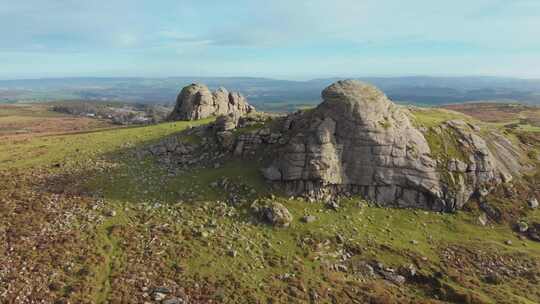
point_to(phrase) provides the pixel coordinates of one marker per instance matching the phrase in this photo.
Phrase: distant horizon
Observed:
(272, 78)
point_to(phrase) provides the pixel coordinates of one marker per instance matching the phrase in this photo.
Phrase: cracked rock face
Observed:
(357, 142)
(196, 101)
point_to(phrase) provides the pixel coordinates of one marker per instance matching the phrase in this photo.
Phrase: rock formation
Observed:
(358, 142)
(196, 101)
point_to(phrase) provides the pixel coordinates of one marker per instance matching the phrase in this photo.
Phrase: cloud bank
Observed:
(291, 39)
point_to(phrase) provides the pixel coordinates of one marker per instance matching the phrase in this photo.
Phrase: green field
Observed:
(120, 226)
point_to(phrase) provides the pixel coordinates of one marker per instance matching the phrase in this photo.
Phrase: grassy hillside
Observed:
(86, 221)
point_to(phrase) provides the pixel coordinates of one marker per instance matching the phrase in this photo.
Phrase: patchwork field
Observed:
(83, 219)
(19, 121)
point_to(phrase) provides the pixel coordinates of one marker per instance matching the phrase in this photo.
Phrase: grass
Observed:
(180, 231)
(430, 117)
(264, 254)
(59, 149)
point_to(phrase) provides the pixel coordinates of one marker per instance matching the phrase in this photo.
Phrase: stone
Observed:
(309, 219)
(173, 301)
(364, 269)
(392, 277)
(196, 101)
(408, 271)
(158, 296)
(522, 226)
(332, 205)
(491, 211)
(274, 213)
(482, 219)
(534, 232)
(532, 203)
(163, 290)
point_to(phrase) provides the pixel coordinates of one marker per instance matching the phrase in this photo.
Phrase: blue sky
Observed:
(292, 39)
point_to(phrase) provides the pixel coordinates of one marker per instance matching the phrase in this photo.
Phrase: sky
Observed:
(288, 39)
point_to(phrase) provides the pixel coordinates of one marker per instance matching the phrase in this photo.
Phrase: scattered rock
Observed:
(522, 226)
(364, 269)
(163, 290)
(482, 219)
(408, 271)
(309, 219)
(534, 232)
(173, 301)
(392, 277)
(158, 296)
(492, 212)
(532, 203)
(332, 204)
(274, 213)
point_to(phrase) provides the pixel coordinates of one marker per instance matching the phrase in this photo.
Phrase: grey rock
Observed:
(274, 213)
(196, 101)
(534, 232)
(158, 296)
(392, 277)
(309, 219)
(332, 205)
(358, 142)
(532, 203)
(173, 301)
(482, 219)
(522, 226)
(491, 211)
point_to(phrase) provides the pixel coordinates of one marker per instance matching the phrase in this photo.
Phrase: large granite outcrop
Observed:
(358, 142)
(196, 101)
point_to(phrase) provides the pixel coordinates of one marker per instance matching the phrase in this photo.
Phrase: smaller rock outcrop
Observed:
(196, 101)
(273, 213)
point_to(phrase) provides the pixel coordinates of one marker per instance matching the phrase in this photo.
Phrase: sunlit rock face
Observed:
(196, 101)
(358, 142)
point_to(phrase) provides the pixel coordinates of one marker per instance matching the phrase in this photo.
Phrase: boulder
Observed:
(196, 101)
(274, 213)
(358, 142)
(532, 203)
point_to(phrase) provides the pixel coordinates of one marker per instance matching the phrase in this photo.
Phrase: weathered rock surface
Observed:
(196, 101)
(272, 212)
(358, 142)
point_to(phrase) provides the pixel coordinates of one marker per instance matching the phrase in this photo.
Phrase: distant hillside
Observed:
(272, 94)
